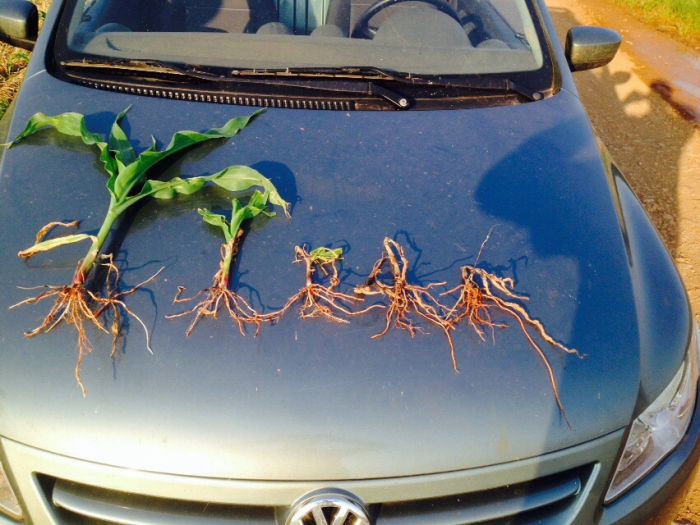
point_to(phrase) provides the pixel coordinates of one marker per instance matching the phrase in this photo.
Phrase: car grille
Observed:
(543, 500)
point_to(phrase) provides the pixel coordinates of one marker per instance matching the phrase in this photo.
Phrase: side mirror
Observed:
(588, 47)
(19, 23)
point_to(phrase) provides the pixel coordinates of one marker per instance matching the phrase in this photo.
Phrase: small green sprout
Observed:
(218, 294)
(128, 183)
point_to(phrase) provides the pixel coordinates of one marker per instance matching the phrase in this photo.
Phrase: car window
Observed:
(455, 37)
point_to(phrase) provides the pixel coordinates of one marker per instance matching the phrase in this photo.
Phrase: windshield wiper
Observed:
(317, 80)
(333, 79)
(499, 84)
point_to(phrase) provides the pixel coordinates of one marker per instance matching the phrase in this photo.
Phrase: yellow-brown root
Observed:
(481, 295)
(79, 307)
(406, 301)
(317, 300)
(218, 296)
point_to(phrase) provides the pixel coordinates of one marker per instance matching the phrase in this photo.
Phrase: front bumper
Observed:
(35, 472)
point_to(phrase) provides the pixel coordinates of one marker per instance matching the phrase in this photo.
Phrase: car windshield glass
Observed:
(428, 37)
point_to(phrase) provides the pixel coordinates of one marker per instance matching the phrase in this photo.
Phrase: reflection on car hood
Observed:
(309, 399)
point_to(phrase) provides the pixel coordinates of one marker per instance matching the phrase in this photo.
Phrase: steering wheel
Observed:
(362, 28)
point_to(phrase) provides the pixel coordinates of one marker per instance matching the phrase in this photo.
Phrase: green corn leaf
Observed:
(325, 255)
(241, 178)
(119, 142)
(170, 189)
(257, 204)
(73, 125)
(135, 173)
(234, 179)
(50, 244)
(215, 220)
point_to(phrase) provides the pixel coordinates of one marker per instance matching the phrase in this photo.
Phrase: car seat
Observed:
(316, 17)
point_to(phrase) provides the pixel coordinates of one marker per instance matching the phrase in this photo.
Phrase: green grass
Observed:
(679, 18)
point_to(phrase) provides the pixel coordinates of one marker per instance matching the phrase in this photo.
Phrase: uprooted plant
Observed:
(482, 296)
(77, 304)
(219, 295)
(406, 301)
(316, 299)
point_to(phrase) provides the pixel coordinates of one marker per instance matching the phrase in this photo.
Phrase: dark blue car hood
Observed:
(309, 399)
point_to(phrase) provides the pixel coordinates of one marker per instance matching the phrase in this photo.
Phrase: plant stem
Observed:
(228, 250)
(89, 261)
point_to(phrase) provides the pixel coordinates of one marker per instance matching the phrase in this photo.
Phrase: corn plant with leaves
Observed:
(128, 183)
(218, 295)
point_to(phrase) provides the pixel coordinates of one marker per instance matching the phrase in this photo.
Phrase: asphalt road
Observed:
(645, 106)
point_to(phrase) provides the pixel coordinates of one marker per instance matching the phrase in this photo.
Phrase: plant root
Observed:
(77, 306)
(217, 296)
(481, 295)
(406, 300)
(317, 300)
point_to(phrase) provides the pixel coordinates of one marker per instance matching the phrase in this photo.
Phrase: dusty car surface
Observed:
(435, 124)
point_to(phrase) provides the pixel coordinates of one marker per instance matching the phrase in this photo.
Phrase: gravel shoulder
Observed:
(645, 106)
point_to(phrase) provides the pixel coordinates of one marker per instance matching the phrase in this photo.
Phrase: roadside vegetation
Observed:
(679, 18)
(13, 62)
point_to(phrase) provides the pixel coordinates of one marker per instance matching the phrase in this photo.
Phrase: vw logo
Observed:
(328, 507)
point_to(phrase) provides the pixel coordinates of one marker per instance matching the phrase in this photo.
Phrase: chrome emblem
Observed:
(328, 507)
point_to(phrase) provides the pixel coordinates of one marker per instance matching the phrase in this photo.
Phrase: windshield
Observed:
(426, 37)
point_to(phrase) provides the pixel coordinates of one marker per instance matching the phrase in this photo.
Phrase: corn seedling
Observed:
(483, 295)
(389, 279)
(127, 184)
(316, 299)
(218, 295)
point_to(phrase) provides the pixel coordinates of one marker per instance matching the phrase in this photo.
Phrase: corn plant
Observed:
(482, 295)
(128, 183)
(316, 299)
(408, 302)
(218, 295)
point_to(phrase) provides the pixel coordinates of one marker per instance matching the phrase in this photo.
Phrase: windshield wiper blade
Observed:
(319, 78)
(495, 84)
(323, 80)
(376, 73)
(144, 66)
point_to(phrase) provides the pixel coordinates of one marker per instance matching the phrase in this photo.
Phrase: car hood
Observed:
(311, 399)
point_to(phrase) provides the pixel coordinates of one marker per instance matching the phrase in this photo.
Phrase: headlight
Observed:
(8, 501)
(659, 429)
